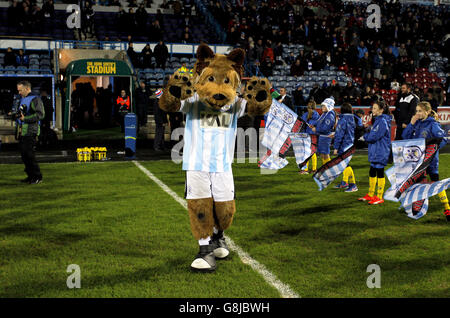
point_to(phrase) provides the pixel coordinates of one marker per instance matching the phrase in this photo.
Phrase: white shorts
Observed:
(216, 185)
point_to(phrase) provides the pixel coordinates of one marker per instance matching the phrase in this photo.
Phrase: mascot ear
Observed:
(237, 56)
(203, 52)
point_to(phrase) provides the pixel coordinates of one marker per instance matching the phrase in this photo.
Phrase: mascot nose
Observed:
(219, 97)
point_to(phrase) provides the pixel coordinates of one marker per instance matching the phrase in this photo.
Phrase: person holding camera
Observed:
(30, 112)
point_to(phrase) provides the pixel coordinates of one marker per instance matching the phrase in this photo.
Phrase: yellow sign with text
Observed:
(101, 68)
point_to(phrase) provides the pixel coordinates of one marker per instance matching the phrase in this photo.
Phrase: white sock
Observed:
(204, 241)
(215, 231)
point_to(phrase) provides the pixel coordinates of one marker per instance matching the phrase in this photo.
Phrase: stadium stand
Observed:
(329, 38)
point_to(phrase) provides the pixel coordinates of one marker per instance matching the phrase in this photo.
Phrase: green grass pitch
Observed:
(131, 239)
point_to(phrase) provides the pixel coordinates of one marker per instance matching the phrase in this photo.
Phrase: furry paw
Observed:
(257, 94)
(179, 87)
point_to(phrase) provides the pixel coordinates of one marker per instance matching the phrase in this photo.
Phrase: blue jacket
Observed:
(427, 128)
(345, 132)
(315, 116)
(379, 140)
(325, 123)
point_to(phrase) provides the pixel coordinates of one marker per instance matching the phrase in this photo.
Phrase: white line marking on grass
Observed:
(284, 290)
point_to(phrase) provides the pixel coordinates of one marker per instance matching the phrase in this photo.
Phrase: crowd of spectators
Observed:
(334, 33)
(26, 15)
(160, 54)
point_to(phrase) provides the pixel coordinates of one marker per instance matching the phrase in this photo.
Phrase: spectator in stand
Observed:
(290, 59)
(22, 59)
(121, 19)
(142, 18)
(268, 52)
(367, 97)
(394, 49)
(299, 99)
(425, 61)
(365, 65)
(361, 50)
(161, 53)
(335, 91)
(156, 32)
(14, 12)
(187, 7)
(186, 38)
(10, 58)
(130, 19)
(146, 54)
(134, 58)
(386, 69)
(385, 83)
(267, 67)
(297, 69)
(350, 93)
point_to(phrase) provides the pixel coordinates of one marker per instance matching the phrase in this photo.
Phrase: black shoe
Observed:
(221, 250)
(26, 180)
(205, 260)
(36, 180)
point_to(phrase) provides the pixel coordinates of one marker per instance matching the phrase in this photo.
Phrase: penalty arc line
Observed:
(284, 290)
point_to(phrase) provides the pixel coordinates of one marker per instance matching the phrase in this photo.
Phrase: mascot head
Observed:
(217, 77)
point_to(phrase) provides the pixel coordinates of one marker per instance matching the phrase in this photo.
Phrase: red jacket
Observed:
(123, 103)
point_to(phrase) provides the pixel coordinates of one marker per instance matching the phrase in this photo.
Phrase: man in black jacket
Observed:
(405, 108)
(31, 112)
(160, 121)
(142, 96)
(285, 99)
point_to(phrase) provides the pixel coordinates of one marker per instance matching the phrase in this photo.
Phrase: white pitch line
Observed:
(284, 289)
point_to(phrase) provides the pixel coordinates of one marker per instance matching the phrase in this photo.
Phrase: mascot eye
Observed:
(227, 80)
(211, 78)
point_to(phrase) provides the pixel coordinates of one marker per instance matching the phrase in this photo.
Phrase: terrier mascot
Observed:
(209, 100)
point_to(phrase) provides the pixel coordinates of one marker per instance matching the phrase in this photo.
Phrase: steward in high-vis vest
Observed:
(123, 107)
(31, 111)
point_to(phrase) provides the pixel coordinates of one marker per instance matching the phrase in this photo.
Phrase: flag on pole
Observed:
(305, 146)
(408, 175)
(423, 191)
(274, 162)
(280, 121)
(333, 168)
(407, 156)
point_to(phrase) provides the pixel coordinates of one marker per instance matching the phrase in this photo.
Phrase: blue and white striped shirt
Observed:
(210, 135)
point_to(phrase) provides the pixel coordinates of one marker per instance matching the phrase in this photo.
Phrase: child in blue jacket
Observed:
(424, 124)
(324, 128)
(344, 139)
(379, 140)
(310, 117)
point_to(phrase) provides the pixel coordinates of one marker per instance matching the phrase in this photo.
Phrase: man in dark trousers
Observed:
(405, 108)
(31, 112)
(161, 53)
(142, 96)
(160, 121)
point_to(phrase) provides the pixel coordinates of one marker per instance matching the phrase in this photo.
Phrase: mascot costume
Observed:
(211, 104)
